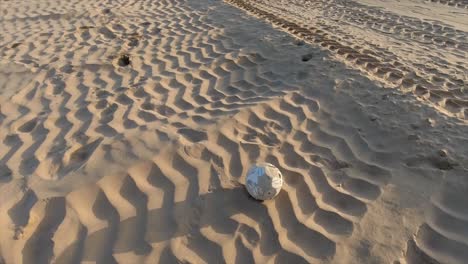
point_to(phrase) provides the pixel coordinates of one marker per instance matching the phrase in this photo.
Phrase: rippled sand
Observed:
(127, 128)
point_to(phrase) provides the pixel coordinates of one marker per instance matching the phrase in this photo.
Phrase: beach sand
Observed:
(127, 129)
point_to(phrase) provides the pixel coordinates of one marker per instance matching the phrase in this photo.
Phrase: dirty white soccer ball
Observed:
(264, 181)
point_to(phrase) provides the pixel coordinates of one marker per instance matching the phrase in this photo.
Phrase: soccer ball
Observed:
(264, 181)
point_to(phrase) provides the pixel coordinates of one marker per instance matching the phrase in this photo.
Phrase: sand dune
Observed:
(127, 128)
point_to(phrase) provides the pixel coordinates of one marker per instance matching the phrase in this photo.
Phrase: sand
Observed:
(127, 128)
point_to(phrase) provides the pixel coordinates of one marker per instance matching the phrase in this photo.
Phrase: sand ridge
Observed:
(127, 127)
(167, 188)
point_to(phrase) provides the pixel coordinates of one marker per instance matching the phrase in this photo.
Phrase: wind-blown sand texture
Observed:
(127, 128)
(425, 57)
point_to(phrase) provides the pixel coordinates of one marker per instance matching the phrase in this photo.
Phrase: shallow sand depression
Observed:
(127, 129)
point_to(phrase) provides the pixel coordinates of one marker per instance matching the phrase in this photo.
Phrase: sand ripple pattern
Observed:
(438, 76)
(216, 103)
(443, 238)
(186, 204)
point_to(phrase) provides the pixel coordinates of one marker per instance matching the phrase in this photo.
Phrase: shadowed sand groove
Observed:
(127, 128)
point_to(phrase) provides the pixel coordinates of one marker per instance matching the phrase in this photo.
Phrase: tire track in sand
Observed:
(445, 91)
